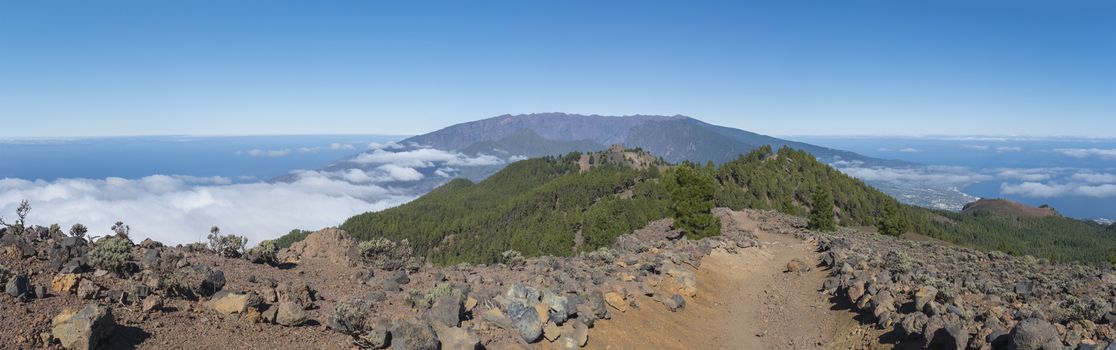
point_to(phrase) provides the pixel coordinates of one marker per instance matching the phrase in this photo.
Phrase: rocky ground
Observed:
(766, 283)
(323, 293)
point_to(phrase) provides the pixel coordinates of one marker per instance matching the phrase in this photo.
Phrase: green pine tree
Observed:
(691, 194)
(821, 214)
(891, 222)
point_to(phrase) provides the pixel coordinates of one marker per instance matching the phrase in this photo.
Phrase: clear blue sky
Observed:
(96, 68)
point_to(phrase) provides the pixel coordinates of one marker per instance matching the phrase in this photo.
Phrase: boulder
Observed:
(558, 307)
(65, 283)
(64, 250)
(950, 337)
(19, 286)
(330, 245)
(579, 333)
(923, 296)
(87, 289)
(289, 314)
(152, 303)
(413, 335)
(616, 301)
(212, 283)
(681, 280)
(84, 329)
(675, 303)
(551, 332)
(225, 302)
(855, 291)
(376, 334)
(401, 277)
(596, 303)
(1034, 334)
(455, 338)
(16, 246)
(524, 320)
(447, 310)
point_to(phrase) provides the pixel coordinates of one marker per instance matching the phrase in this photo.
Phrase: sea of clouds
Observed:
(180, 209)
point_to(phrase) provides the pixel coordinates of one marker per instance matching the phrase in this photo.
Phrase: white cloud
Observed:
(516, 158)
(1034, 174)
(336, 146)
(270, 153)
(909, 150)
(388, 145)
(1005, 149)
(975, 147)
(934, 175)
(341, 146)
(1050, 190)
(1088, 152)
(1099, 191)
(1095, 178)
(424, 158)
(180, 209)
(1035, 189)
(400, 173)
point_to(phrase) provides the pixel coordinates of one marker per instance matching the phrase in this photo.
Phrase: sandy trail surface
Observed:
(745, 301)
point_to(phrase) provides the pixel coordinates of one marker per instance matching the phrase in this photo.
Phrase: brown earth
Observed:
(1006, 207)
(747, 301)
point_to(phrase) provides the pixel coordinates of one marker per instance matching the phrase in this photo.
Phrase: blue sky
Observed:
(85, 68)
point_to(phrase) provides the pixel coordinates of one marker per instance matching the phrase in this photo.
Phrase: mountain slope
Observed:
(675, 138)
(540, 206)
(569, 204)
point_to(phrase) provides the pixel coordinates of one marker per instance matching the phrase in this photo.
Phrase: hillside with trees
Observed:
(581, 202)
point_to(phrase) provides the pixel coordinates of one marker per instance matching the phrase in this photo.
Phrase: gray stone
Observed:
(413, 335)
(376, 335)
(391, 286)
(290, 314)
(1034, 334)
(455, 338)
(596, 303)
(924, 296)
(401, 277)
(525, 320)
(446, 310)
(675, 303)
(84, 329)
(19, 287)
(558, 309)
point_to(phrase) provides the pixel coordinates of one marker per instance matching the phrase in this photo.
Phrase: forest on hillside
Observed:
(549, 206)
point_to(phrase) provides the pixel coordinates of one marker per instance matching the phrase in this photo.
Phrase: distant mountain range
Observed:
(475, 150)
(675, 138)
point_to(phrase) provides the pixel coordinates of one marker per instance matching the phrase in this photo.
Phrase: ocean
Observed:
(1077, 176)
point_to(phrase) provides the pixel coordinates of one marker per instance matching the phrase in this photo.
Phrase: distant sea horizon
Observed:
(1075, 175)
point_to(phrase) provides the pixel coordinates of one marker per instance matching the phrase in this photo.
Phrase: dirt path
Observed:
(745, 301)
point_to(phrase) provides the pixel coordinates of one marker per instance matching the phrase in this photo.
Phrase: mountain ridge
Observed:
(658, 134)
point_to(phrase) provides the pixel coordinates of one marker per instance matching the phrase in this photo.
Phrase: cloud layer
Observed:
(1088, 152)
(179, 209)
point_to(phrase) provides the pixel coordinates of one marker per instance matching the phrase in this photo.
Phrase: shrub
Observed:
(512, 258)
(21, 217)
(899, 262)
(121, 229)
(78, 230)
(111, 253)
(229, 246)
(386, 254)
(264, 253)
